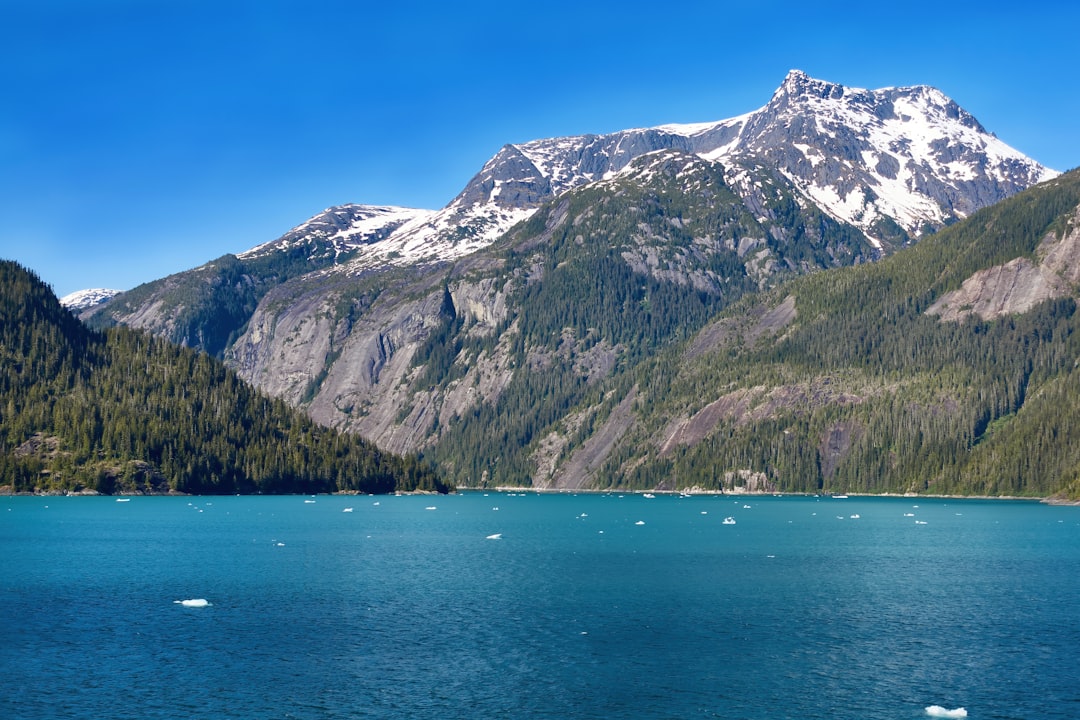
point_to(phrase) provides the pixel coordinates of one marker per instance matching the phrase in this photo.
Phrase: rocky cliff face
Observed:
(346, 354)
(1020, 284)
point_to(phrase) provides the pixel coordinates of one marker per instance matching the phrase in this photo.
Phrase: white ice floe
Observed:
(193, 602)
(938, 711)
(346, 510)
(495, 536)
(640, 522)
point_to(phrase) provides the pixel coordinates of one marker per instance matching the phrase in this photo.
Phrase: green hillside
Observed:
(865, 392)
(121, 411)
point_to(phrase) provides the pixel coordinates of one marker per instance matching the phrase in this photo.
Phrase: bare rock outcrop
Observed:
(1020, 284)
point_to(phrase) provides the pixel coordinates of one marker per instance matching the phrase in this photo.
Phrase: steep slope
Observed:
(854, 381)
(126, 412)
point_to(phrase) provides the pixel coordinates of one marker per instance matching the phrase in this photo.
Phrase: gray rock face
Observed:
(1020, 284)
(509, 180)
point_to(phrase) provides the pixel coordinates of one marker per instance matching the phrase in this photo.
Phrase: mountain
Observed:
(125, 412)
(895, 163)
(534, 331)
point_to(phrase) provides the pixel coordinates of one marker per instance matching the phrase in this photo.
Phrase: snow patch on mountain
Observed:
(85, 299)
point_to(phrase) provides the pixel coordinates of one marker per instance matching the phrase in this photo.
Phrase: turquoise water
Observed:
(394, 610)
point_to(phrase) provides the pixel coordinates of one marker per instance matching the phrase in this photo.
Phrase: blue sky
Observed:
(140, 138)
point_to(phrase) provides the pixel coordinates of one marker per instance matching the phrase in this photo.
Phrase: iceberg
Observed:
(193, 603)
(938, 711)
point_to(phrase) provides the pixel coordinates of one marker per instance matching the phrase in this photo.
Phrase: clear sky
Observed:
(143, 137)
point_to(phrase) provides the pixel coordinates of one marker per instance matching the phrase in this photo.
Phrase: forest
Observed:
(120, 411)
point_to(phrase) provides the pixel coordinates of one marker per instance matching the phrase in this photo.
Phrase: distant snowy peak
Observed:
(341, 229)
(85, 299)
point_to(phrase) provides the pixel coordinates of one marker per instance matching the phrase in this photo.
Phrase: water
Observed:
(393, 610)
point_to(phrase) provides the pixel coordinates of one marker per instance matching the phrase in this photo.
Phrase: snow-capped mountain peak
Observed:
(909, 155)
(893, 162)
(84, 299)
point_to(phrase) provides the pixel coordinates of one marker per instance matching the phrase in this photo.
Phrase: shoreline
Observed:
(695, 492)
(1049, 500)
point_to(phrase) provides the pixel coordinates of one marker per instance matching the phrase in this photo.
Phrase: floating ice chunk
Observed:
(431, 507)
(938, 711)
(640, 522)
(123, 499)
(496, 536)
(193, 602)
(346, 510)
